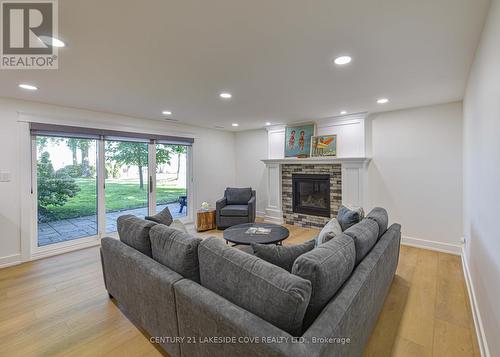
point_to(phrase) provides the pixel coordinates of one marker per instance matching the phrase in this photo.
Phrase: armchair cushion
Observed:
(235, 210)
(238, 196)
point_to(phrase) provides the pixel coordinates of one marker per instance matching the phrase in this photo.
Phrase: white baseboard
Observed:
(66, 249)
(455, 249)
(476, 315)
(10, 260)
(260, 214)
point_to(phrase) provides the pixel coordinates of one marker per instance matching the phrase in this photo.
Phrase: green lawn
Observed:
(120, 195)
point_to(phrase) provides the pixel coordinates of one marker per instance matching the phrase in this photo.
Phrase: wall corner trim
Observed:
(476, 315)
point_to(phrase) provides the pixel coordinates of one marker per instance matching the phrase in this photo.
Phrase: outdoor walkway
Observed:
(69, 229)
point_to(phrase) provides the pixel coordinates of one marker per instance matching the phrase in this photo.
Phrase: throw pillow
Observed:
(176, 224)
(330, 230)
(282, 255)
(164, 217)
(360, 210)
(347, 217)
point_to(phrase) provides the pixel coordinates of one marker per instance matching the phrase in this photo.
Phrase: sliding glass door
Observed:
(85, 181)
(172, 179)
(126, 180)
(66, 189)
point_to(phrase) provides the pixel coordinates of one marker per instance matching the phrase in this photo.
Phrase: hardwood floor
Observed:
(58, 307)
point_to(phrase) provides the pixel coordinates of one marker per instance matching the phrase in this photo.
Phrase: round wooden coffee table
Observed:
(237, 234)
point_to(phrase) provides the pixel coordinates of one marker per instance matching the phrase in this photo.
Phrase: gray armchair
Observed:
(237, 207)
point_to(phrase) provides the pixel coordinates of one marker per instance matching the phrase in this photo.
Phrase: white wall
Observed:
(482, 179)
(250, 148)
(416, 172)
(213, 158)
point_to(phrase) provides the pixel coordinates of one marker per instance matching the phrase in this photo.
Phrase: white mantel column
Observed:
(274, 212)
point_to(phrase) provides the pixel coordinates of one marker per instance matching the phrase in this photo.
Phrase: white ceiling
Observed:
(140, 57)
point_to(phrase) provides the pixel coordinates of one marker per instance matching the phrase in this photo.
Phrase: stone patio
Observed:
(69, 229)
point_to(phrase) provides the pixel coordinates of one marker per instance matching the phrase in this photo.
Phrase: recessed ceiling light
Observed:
(268, 123)
(166, 112)
(52, 41)
(382, 100)
(342, 60)
(226, 95)
(343, 112)
(235, 124)
(27, 86)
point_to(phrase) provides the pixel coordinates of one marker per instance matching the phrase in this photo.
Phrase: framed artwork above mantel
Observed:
(298, 140)
(324, 145)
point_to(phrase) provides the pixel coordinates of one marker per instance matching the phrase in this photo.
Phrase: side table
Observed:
(205, 220)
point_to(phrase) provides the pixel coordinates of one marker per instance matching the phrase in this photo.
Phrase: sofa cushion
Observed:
(176, 250)
(163, 217)
(282, 255)
(327, 267)
(379, 215)
(235, 210)
(257, 286)
(238, 196)
(177, 224)
(348, 217)
(134, 232)
(365, 235)
(329, 231)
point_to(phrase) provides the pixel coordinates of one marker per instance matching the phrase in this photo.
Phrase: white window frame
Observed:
(37, 252)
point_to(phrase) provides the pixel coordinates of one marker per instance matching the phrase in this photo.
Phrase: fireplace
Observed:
(311, 194)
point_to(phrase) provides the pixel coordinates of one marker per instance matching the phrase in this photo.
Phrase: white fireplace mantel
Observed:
(354, 181)
(363, 161)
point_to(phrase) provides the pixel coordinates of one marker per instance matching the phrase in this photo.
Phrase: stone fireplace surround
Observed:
(302, 219)
(347, 173)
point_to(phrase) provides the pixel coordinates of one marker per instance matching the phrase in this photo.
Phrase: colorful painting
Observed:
(298, 140)
(325, 145)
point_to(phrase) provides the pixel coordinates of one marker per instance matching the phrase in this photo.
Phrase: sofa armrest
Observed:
(202, 313)
(144, 288)
(252, 209)
(220, 204)
(353, 312)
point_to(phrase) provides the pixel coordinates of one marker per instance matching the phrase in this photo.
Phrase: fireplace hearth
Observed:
(311, 194)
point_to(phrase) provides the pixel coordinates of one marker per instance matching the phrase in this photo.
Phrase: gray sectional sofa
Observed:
(203, 298)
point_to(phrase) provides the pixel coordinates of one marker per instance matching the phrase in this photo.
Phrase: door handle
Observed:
(150, 184)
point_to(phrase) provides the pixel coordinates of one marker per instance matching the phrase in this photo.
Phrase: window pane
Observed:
(126, 181)
(171, 179)
(67, 189)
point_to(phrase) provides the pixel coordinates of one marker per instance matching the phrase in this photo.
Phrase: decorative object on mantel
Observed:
(298, 140)
(325, 145)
